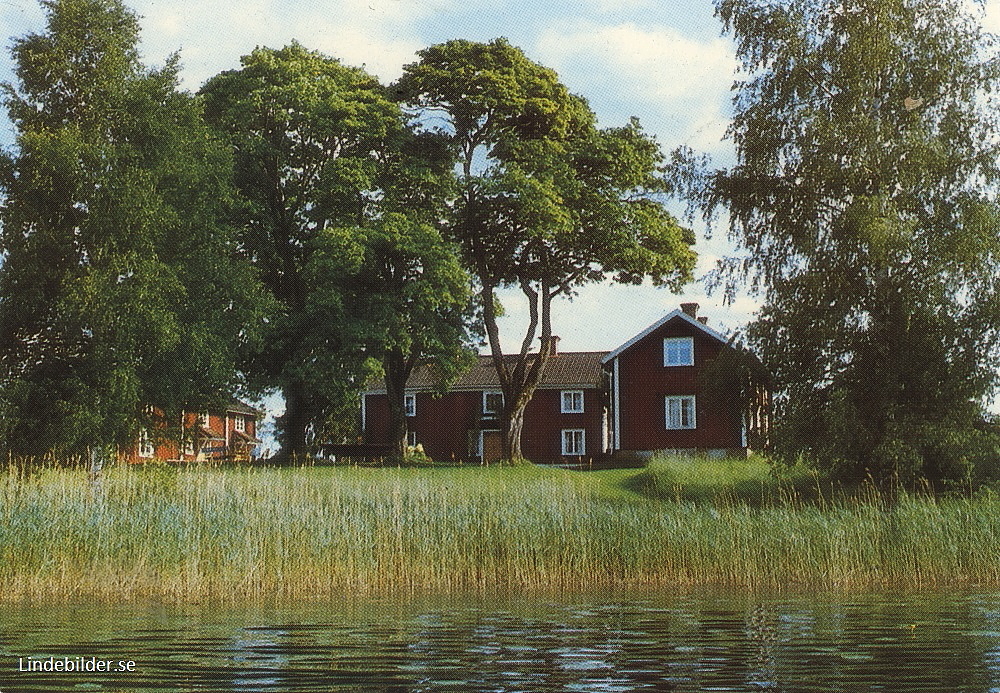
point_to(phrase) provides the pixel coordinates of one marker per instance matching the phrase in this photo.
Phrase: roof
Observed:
(238, 407)
(565, 369)
(674, 314)
(243, 437)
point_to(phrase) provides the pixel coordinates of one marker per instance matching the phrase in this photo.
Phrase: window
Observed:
(492, 403)
(146, 447)
(203, 419)
(188, 445)
(411, 438)
(240, 423)
(573, 442)
(410, 404)
(678, 351)
(572, 401)
(680, 412)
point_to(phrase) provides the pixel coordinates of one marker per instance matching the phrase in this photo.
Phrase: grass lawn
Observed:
(196, 533)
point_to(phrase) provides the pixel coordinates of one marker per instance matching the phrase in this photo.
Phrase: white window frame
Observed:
(572, 396)
(671, 355)
(486, 395)
(146, 447)
(569, 442)
(240, 423)
(411, 439)
(679, 402)
(187, 445)
(204, 419)
(410, 404)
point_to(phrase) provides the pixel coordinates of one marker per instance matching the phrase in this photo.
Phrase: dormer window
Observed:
(240, 423)
(678, 351)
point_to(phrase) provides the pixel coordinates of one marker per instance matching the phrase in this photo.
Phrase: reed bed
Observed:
(191, 534)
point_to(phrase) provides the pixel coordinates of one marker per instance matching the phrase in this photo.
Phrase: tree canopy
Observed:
(324, 162)
(120, 286)
(402, 297)
(864, 202)
(546, 201)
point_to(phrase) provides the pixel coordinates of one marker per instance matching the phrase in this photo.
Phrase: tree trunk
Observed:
(513, 426)
(397, 371)
(294, 424)
(518, 383)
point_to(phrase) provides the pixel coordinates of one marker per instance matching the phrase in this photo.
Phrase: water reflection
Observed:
(704, 642)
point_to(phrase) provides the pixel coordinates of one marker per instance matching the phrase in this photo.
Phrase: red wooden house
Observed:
(224, 434)
(669, 391)
(564, 422)
(649, 394)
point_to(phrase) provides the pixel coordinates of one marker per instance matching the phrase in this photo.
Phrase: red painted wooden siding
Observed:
(443, 424)
(644, 384)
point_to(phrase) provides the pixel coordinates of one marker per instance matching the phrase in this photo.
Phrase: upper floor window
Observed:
(492, 403)
(240, 423)
(574, 441)
(203, 419)
(410, 404)
(572, 401)
(681, 412)
(678, 351)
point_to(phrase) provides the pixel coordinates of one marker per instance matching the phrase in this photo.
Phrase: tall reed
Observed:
(253, 533)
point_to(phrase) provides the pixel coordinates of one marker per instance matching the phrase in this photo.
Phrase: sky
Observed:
(663, 61)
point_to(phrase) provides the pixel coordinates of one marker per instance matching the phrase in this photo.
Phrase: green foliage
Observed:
(864, 201)
(119, 285)
(545, 201)
(755, 480)
(314, 142)
(403, 297)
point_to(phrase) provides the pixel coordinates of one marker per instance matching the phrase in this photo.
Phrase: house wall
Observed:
(168, 447)
(541, 438)
(644, 383)
(445, 424)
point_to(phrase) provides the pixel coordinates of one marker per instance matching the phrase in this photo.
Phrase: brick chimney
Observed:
(703, 320)
(691, 309)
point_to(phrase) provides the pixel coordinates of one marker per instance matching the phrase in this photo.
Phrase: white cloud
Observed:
(678, 85)
(991, 18)
(212, 37)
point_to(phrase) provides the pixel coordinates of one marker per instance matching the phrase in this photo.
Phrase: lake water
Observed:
(652, 642)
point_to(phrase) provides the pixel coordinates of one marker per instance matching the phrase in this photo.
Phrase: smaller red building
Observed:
(228, 434)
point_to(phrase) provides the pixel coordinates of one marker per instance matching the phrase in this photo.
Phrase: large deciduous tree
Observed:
(310, 137)
(119, 288)
(403, 297)
(864, 199)
(546, 200)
